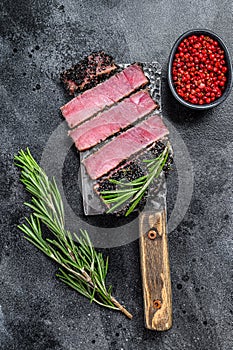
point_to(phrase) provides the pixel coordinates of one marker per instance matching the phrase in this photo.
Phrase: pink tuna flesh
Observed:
(103, 95)
(113, 120)
(124, 146)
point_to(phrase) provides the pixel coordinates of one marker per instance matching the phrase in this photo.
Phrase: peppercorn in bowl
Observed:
(200, 70)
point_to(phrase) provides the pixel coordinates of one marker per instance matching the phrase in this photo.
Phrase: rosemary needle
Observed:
(133, 191)
(81, 266)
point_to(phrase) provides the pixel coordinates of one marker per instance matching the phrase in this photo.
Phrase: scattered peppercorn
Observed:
(199, 70)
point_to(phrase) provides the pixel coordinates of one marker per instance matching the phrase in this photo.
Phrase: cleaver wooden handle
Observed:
(155, 271)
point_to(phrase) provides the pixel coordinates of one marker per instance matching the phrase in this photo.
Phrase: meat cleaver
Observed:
(153, 241)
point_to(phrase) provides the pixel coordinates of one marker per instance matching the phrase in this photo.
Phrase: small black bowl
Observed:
(228, 74)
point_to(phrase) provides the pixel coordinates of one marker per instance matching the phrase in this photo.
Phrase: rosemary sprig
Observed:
(133, 191)
(81, 266)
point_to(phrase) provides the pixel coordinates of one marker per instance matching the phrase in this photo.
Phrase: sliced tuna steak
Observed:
(103, 95)
(113, 120)
(88, 72)
(124, 146)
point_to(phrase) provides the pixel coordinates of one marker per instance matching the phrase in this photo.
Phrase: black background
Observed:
(38, 39)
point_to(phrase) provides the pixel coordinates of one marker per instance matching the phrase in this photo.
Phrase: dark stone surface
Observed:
(37, 311)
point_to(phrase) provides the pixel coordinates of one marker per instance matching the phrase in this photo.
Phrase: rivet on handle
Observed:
(152, 234)
(157, 304)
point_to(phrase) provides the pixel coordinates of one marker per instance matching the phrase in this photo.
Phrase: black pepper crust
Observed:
(131, 171)
(89, 72)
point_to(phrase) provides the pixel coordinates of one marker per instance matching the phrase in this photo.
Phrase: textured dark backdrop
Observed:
(38, 312)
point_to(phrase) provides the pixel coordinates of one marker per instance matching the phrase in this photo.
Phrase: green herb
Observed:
(133, 191)
(82, 268)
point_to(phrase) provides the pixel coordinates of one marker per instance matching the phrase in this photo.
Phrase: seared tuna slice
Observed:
(88, 72)
(113, 120)
(103, 95)
(124, 146)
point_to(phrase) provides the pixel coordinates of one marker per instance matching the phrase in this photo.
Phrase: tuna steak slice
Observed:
(124, 146)
(103, 95)
(90, 71)
(113, 120)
